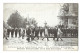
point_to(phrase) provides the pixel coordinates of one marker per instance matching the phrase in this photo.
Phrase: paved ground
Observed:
(40, 42)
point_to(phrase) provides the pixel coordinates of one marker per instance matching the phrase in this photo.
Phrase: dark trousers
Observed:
(59, 36)
(15, 34)
(40, 34)
(28, 39)
(12, 34)
(36, 35)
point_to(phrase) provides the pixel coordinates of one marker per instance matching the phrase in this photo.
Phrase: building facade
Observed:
(69, 15)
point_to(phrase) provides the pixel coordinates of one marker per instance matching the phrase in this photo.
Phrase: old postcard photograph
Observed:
(40, 26)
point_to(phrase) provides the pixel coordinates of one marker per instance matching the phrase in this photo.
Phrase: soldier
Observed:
(55, 33)
(52, 32)
(16, 30)
(75, 32)
(37, 32)
(23, 33)
(72, 32)
(26, 31)
(49, 31)
(19, 32)
(65, 32)
(8, 32)
(59, 34)
(32, 33)
(12, 32)
(46, 33)
(41, 31)
(5, 33)
(29, 34)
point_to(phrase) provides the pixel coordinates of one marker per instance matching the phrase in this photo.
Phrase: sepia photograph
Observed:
(40, 26)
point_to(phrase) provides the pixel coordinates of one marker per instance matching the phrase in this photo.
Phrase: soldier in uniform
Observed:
(19, 32)
(12, 32)
(32, 33)
(41, 31)
(26, 31)
(65, 32)
(52, 33)
(16, 30)
(55, 33)
(46, 33)
(37, 32)
(76, 32)
(49, 31)
(23, 33)
(28, 34)
(5, 33)
(59, 34)
(8, 32)
(72, 32)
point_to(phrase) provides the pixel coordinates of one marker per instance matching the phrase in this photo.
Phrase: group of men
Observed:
(31, 32)
(43, 32)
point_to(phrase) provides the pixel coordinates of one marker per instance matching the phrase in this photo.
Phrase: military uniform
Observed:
(16, 30)
(37, 33)
(28, 34)
(12, 32)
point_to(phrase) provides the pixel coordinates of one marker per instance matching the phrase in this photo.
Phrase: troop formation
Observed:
(40, 32)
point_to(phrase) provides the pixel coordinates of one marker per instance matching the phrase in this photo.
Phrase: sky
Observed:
(41, 12)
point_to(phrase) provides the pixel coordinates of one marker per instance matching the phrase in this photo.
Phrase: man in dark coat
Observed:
(16, 30)
(64, 32)
(28, 34)
(32, 33)
(5, 33)
(12, 32)
(46, 33)
(49, 31)
(8, 32)
(19, 32)
(55, 33)
(23, 33)
(41, 31)
(37, 32)
(76, 31)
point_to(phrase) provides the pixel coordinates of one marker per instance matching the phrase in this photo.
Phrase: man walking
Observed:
(59, 34)
(46, 33)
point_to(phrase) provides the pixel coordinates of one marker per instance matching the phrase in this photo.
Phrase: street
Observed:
(40, 42)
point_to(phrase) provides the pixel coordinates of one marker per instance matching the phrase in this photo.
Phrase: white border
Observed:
(31, 1)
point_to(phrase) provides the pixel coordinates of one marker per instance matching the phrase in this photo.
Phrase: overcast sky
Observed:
(41, 12)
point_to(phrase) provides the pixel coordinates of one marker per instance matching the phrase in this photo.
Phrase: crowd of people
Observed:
(37, 32)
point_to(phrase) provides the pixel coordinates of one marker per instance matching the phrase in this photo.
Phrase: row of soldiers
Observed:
(34, 32)
(73, 32)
